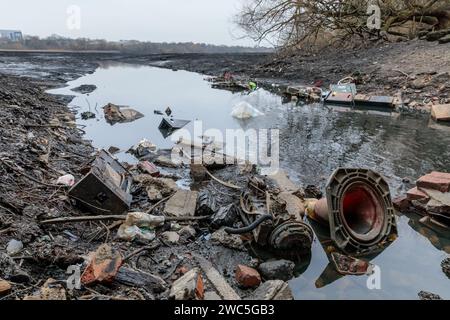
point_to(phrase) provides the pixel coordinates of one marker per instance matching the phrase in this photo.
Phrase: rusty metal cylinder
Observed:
(358, 208)
(321, 211)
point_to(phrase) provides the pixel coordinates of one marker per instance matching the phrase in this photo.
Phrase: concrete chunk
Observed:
(277, 270)
(273, 290)
(247, 277)
(182, 204)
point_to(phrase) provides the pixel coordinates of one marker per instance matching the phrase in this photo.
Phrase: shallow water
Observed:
(314, 140)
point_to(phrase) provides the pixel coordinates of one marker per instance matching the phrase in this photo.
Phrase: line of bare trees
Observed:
(132, 47)
(300, 22)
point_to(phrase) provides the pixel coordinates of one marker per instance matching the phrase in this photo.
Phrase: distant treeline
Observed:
(128, 46)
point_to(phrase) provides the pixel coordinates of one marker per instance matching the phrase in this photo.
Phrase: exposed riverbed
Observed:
(314, 140)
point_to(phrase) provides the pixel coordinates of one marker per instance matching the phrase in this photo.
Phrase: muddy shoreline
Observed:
(418, 72)
(41, 142)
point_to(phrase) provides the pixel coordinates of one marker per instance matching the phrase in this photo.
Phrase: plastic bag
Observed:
(142, 219)
(139, 225)
(129, 233)
(244, 110)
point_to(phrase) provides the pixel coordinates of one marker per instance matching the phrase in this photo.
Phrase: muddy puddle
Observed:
(314, 140)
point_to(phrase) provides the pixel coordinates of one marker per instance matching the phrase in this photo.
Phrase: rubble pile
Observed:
(127, 231)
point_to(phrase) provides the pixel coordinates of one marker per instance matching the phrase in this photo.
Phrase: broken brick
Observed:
(435, 181)
(416, 194)
(103, 267)
(149, 168)
(247, 277)
(5, 287)
(401, 203)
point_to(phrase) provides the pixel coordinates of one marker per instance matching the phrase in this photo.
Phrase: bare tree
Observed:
(292, 22)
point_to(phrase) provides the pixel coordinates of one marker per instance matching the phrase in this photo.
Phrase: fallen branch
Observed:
(403, 73)
(6, 230)
(136, 252)
(28, 177)
(84, 219)
(7, 210)
(226, 184)
(112, 218)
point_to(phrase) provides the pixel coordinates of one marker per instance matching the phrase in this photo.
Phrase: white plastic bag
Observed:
(245, 110)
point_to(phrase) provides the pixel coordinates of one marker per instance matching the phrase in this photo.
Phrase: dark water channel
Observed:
(314, 140)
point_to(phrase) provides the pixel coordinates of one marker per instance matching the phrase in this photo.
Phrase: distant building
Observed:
(11, 35)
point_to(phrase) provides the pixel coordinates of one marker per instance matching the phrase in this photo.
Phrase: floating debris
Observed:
(120, 114)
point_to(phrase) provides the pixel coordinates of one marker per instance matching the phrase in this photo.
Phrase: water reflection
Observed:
(314, 141)
(330, 274)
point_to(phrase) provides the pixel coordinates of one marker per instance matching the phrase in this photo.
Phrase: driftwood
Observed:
(219, 283)
(140, 279)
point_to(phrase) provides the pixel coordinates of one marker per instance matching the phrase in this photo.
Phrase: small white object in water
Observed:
(14, 247)
(245, 110)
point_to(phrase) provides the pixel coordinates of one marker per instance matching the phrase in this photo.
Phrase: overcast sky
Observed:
(207, 21)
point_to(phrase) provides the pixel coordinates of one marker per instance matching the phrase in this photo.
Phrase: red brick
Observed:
(247, 277)
(149, 168)
(104, 266)
(435, 181)
(442, 175)
(416, 194)
(401, 203)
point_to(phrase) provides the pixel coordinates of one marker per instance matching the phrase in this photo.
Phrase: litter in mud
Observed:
(313, 94)
(358, 210)
(149, 168)
(105, 188)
